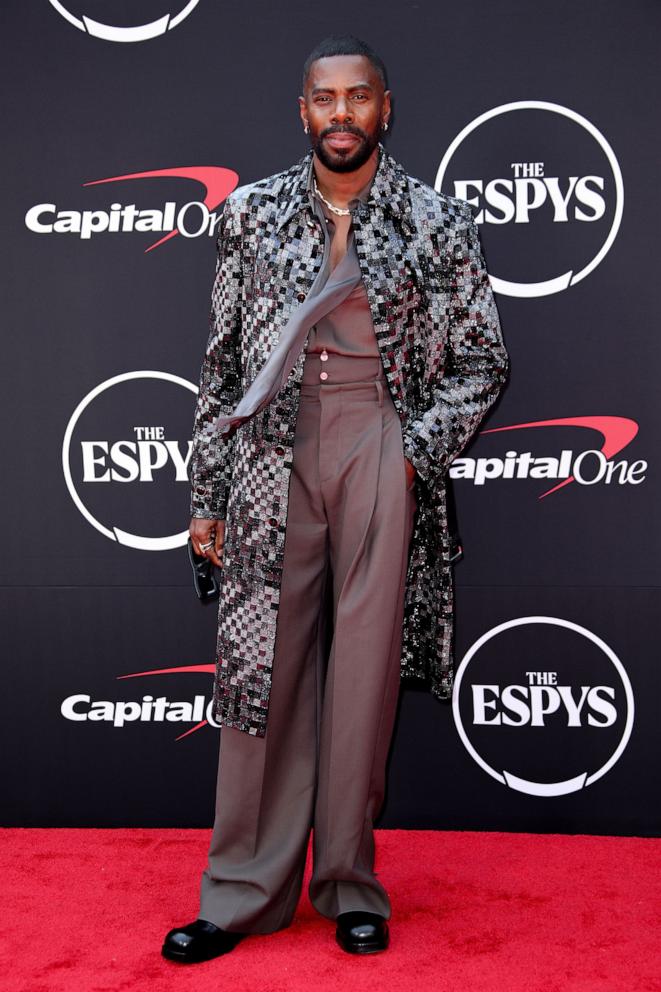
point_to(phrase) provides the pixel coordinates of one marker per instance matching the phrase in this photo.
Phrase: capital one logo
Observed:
(125, 458)
(587, 466)
(139, 32)
(549, 182)
(80, 707)
(543, 705)
(192, 220)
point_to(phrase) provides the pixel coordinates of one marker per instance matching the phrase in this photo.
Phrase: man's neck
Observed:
(342, 187)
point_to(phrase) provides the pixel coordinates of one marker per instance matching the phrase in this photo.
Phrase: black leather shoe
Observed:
(198, 941)
(360, 932)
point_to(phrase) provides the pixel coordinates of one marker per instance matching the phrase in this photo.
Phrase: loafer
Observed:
(198, 941)
(360, 932)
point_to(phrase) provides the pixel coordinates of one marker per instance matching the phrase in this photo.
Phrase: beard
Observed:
(344, 159)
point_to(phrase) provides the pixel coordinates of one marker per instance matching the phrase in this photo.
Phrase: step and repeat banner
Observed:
(126, 126)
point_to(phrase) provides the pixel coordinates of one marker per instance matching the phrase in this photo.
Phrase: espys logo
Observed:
(550, 180)
(192, 220)
(122, 455)
(586, 467)
(81, 708)
(137, 32)
(543, 705)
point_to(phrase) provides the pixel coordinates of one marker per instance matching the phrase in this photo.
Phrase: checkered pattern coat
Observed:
(438, 332)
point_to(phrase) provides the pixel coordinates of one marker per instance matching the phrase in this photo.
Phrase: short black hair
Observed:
(345, 44)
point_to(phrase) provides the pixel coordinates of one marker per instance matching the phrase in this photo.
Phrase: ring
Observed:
(205, 547)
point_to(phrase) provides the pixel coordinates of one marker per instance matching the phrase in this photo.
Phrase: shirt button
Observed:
(324, 356)
(323, 375)
(300, 297)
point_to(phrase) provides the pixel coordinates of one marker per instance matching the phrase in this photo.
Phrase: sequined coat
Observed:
(439, 335)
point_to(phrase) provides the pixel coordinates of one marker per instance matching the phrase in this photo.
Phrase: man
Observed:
(355, 347)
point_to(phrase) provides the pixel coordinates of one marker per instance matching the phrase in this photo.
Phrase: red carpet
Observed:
(86, 911)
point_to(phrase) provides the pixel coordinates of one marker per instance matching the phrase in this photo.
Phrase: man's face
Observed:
(345, 106)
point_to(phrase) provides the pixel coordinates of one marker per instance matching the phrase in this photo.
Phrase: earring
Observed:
(385, 125)
(306, 128)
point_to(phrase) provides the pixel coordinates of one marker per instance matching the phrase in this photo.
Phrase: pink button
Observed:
(323, 375)
(324, 356)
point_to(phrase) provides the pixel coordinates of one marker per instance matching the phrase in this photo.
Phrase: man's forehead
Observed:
(342, 71)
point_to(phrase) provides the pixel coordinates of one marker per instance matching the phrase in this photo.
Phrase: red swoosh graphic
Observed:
(218, 184)
(617, 433)
(210, 669)
(169, 671)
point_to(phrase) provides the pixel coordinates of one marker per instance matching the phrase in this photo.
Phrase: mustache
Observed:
(343, 130)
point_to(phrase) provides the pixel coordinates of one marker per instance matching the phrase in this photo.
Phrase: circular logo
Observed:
(543, 705)
(549, 178)
(121, 446)
(138, 32)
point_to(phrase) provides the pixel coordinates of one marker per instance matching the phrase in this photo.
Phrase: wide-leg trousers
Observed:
(322, 764)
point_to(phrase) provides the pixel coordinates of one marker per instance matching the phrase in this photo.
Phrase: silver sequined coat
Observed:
(440, 340)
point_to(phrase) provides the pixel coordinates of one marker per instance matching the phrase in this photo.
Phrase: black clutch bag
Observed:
(205, 579)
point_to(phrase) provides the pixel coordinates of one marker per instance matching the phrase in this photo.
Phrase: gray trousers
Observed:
(322, 762)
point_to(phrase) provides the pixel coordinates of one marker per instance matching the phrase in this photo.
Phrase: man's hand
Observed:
(202, 531)
(410, 473)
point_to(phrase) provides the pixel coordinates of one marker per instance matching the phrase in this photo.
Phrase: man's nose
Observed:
(341, 109)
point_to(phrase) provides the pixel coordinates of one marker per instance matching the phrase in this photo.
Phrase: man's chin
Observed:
(343, 160)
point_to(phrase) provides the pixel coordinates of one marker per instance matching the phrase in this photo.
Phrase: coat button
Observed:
(200, 490)
(300, 297)
(273, 522)
(323, 375)
(324, 356)
(279, 450)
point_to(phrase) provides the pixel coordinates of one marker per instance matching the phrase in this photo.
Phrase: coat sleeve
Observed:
(210, 465)
(467, 381)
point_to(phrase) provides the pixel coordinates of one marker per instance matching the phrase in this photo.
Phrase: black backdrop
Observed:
(555, 725)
